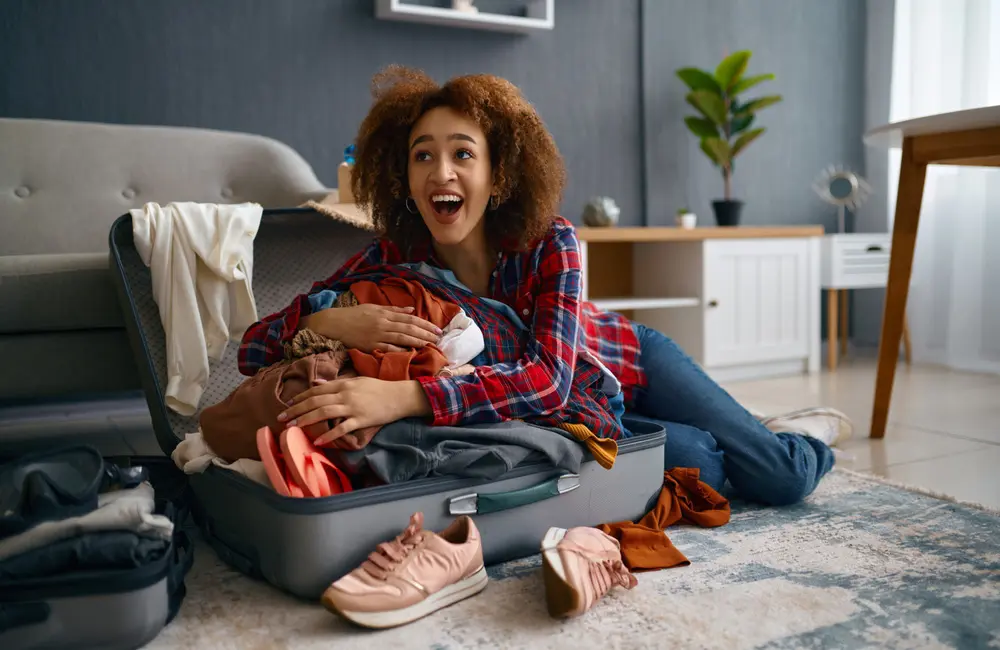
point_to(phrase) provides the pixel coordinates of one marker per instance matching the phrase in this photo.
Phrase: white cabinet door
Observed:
(756, 300)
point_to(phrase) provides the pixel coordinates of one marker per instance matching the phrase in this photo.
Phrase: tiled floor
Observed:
(944, 426)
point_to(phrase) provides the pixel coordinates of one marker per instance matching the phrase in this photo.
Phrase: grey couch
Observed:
(67, 369)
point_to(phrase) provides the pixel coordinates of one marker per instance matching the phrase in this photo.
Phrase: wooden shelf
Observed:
(540, 16)
(618, 304)
(656, 234)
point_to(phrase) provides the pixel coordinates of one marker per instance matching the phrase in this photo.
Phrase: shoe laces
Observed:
(605, 574)
(387, 555)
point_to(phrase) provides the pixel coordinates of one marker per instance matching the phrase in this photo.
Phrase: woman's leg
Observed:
(687, 446)
(773, 468)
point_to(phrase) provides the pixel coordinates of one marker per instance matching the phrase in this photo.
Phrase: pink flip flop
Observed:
(274, 464)
(309, 468)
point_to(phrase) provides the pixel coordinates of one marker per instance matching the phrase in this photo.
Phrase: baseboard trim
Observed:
(767, 370)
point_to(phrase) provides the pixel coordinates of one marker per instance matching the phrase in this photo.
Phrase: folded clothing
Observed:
(56, 484)
(410, 449)
(111, 549)
(127, 509)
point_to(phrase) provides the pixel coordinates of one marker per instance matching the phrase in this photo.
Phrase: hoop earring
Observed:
(407, 202)
(494, 203)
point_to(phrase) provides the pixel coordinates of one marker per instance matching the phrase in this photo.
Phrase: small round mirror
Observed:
(841, 187)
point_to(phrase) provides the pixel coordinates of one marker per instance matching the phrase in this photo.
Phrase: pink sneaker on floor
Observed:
(580, 565)
(412, 576)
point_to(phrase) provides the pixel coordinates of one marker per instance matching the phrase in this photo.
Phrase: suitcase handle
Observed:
(488, 502)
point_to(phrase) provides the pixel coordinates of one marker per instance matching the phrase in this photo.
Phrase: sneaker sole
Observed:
(448, 596)
(562, 599)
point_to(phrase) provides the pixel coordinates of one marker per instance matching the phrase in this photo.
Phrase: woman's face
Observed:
(449, 173)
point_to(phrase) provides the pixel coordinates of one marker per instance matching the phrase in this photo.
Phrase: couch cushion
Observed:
(46, 293)
(62, 184)
(93, 361)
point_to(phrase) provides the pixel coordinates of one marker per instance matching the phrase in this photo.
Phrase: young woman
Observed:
(466, 177)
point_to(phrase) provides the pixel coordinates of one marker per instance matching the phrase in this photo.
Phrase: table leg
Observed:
(831, 328)
(907, 349)
(904, 240)
(844, 297)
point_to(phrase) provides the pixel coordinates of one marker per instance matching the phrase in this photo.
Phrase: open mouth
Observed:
(446, 204)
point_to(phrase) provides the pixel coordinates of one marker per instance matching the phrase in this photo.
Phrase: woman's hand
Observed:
(372, 327)
(360, 401)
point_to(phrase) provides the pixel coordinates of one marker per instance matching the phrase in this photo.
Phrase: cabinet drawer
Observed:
(855, 260)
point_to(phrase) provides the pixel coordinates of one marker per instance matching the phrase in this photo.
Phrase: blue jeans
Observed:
(708, 429)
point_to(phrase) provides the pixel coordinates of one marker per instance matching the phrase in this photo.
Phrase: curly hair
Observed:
(528, 169)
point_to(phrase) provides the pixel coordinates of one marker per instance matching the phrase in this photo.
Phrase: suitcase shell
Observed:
(301, 545)
(96, 610)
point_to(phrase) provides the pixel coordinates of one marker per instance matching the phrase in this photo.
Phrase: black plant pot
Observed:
(727, 213)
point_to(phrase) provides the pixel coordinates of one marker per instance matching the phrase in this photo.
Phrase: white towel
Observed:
(200, 257)
(130, 509)
(194, 456)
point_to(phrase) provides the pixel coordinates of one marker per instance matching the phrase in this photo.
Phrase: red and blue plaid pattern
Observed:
(537, 375)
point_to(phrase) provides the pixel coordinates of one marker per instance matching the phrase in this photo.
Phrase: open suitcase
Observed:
(301, 545)
(98, 609)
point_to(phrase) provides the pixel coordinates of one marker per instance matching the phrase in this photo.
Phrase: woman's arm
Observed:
(539, 382)
(263, 342)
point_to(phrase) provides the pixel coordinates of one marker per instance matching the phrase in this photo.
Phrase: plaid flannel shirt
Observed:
(537, 376)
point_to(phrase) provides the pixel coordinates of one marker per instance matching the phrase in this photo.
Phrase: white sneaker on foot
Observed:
(823, 423)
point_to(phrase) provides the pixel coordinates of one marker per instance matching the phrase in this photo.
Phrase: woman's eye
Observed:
(422, 156)
(463, 154)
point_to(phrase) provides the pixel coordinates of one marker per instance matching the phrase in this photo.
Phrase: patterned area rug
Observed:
(860, 564)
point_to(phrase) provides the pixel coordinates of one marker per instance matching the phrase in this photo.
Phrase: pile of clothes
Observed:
(242, 432)
(68, 510)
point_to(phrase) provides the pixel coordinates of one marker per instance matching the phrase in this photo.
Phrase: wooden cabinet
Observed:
(742, 306)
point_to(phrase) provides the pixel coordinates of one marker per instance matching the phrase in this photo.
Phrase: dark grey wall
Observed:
(816, 51)
(299, 71)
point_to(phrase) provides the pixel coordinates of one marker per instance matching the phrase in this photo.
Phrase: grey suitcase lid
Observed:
(302, 246)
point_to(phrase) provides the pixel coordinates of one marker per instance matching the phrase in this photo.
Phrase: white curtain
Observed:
(946, 57)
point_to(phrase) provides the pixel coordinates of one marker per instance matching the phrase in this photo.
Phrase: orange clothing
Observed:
(408, 364)
(683, 499)
(230, 426)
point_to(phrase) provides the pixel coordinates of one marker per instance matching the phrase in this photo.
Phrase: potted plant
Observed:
(685, 218)
(724, 120)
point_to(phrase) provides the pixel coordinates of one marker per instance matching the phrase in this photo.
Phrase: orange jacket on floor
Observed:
(683, 499)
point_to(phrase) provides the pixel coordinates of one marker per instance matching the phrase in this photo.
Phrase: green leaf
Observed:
(717, 150)
(708, 152)
(741, 123)
(749, 82)
(745, 139)
(709, 104)
(755, 105)
(732, 68)
(699, 80)
(701, 127)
